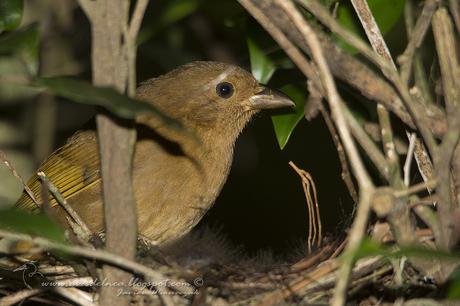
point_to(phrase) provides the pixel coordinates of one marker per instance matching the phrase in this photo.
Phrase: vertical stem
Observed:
(116, 140)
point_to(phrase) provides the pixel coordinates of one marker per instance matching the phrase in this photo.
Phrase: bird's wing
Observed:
(72, 168)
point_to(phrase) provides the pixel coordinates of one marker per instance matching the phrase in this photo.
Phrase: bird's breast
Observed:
(174, 191)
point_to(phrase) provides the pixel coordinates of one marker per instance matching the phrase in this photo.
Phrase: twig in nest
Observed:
(75, 295)
(63, 202)
(100, 255)
(18, 177)
(314, 219)
(19, 296)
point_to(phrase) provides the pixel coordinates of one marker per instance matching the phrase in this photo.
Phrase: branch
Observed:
(435, 122)
(366, 187)
(116, 137)
(63, 202)
(291, 50)
(416, 38)
(94, 254)
(454, 8)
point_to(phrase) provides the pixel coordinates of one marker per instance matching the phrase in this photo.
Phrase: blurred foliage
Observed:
(23, 45)
(10, 14)
(370, 248)
(31, 224)
(120, 105)
(453, 292)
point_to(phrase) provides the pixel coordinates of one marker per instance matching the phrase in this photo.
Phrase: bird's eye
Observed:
(224, 90)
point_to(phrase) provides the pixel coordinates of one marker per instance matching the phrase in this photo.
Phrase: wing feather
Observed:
(72, 168)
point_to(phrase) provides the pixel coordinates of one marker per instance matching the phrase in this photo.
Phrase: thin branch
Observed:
(314, 224)
(75, 295)
(423, 123)
(63, 202)
(431, 184)
(455, 10)
(444, 38)
(446, 46)
(323, 15)
(291, 50)
(346, 175)
(94, 254)
(416, 37)
(372, 30)
(12, 169)
(89, 7)
(19, 296)
(394, 173)
(421, 90)
(380, 47)
(331, 93)
(366, 187)
(130, 34)
(136, 19)
(409, 156)
(367, 144)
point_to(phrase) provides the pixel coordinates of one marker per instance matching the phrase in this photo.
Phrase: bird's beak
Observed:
(269, 98)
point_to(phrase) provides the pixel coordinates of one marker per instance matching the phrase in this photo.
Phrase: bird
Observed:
(176, 179)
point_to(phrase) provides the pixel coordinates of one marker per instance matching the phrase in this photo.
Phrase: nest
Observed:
(205, 269)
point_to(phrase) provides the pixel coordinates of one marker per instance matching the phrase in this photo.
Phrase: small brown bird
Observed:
(175, 178)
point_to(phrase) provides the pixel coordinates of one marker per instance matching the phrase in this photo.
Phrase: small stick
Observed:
(63, 202)
(416, 188)
(314, 226)
(19, 296)
(18, 177)
(410, 152)
(95, 254)
(76, 295)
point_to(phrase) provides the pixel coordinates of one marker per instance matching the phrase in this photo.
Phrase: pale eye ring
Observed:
(224, 90)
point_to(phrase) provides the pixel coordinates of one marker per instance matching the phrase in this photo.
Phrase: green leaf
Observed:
(262, 67)
(370, 247)
(32, 224)
(386, 14)
(453, 292)
(120, 105)
(10, 14)
(22, 44)
(284, 124)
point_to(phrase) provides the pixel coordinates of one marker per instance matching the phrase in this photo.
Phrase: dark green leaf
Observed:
(262, 67)
(32, 224)
(453, 292)
(284, 124)
(120, 105)
(386, 14)
(371, 248)
(22, 44)
(10, 14)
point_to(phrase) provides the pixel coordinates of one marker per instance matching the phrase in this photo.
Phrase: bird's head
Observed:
(211, 96)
